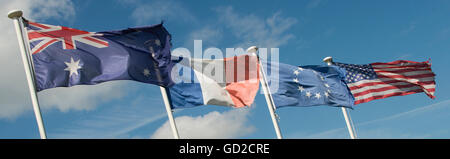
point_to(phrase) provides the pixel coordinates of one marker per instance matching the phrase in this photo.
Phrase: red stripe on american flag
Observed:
(398, 66)
(402, 70)
(400, 62)
(407, 77)
(388, 88)
(386, 82)
(388, 95)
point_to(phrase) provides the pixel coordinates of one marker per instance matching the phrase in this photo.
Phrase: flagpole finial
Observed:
(252, 49)
(328, 59)
(15, 14)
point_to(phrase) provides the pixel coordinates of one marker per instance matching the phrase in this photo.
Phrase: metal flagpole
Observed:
(16, 16)
(27, 48)
(346, 114)
(267, 94)
(164, 93)
(168, 104)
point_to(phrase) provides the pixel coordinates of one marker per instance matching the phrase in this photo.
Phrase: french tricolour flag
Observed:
(232, 81)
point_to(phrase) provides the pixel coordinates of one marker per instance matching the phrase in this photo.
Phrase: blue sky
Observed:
(305, 31)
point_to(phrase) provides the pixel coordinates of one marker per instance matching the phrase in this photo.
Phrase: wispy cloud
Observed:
(404, 56)
(326, 33)
(157, 11)
(244, 29)
(445, 31)
(382, 132)
(251, 29)
(410, 28)
(410, 113)
(314, 4)
(116, 121)
(208, 34)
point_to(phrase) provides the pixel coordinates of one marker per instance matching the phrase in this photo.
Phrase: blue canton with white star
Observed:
(307, 85)
(357, 73)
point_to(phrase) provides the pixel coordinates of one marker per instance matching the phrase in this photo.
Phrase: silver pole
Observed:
(15, 15)
(169, 112)
(267, 94)
(167, 103)
(346, 114)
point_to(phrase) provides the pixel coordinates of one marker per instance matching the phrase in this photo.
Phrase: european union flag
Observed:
(65, 57)
(309, 86)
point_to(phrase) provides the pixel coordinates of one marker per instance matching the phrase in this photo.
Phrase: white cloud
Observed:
(83, 97)
(214, 125)
(39, 9)
(14, 94)
(57, 9)
(250, 29)
(209, 36)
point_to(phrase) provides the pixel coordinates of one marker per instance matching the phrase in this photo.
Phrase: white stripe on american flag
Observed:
(404, 74)
(400, 63)
(400, 69)
(395, 79)
(386, 92)
(363, 89)
(388, 80)
(401, 66)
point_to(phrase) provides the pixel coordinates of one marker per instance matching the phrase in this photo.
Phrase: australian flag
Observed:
(309, 86)
(65, 57)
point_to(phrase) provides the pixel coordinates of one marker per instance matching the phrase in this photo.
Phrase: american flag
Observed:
(382, 80)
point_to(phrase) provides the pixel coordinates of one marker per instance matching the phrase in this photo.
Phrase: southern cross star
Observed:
(157, 42)
(146, 72)
(72, 66)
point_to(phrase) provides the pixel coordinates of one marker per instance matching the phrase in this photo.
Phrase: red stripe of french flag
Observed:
(242, 78)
